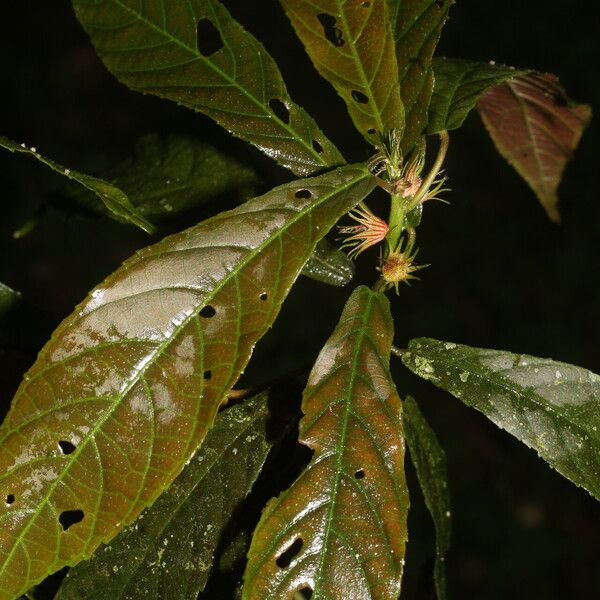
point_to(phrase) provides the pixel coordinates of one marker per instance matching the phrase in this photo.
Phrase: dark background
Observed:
(501, 276)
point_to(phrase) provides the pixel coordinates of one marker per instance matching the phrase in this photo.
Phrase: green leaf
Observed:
(458, 86)
(173, 174)
(8, 298)
(197, 55)
(340, 530)
(113, 198)
(429, 460)
(352, 47)
(131, 381)
(550, 406)
(536, 128)
(329, 265)
(417, 25)
(167, 553)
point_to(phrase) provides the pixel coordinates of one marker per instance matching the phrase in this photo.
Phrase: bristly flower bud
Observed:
(398, 266)
(370, 230)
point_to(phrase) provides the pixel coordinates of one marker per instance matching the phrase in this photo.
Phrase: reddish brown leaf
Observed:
(536, 128)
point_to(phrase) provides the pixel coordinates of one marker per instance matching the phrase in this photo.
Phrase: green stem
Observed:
(397, 220)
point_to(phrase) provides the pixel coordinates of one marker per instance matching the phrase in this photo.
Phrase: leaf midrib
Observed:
(197, 56)
(158, 352)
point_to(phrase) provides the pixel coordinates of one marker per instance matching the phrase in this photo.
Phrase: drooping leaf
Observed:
(114, 199)
(429, 460)
(350, 42)
(125, 391)
(536, 128)
(167, 553)
(458, 86)
(417, 25)
(173, 174)
(550, 406)
(340, 530)
(197, 55)
(329, 265)
(8, 298)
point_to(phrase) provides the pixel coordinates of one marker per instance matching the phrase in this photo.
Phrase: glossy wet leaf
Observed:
(8, 298)
(350, 42)
(429, 460)
(167, 553)
(340, 530)
(416, 25)
(197, 55)
(536, 128)
(113, 198)
(459, 84)
(126, 389)
(550, 406)
(173, 174)
(329, 265)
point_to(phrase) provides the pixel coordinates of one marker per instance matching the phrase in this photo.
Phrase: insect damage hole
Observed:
(331, 32)
(66, 447)
(208, 312)
(264, 296)
(207, 374)
(68, 518)
(208, 38)
(280, 110)
(359, 474)
(286, 557)
(303, 193)
(306, 593)
(317, 147)
(359, 97)
(10, 499)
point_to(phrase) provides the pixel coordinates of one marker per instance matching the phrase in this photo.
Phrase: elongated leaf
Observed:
(196, 54)
(167, 553)
(340, 530)
(536, 128)
(113, 198)
(550, 406)
(8, 298)
(329, 265)
(429, 460)
(131, 381)
(350, 42)
(417, 25)
(173, 174)
(458, 86)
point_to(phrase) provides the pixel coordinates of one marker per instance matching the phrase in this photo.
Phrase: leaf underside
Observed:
(458, 86)
(550, 406)
(197, 55)
(330, 265)
(350, 43)
(124, 392)
(536, 128)
(8, 298)
(340, 530)
(416, 25)
(174, 174)
(115, 200)
(429, 460)
(167, 553)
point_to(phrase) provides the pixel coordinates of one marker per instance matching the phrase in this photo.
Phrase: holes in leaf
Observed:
(264, 296)
(318, 148)
(207, 374)
(305, 194)
(359, 97)
(306, 592)
(372, 131)
(366, 4)
(208, 38)
(280, 110)
(208, 311)
(359, 474)
(68, 518)
(66, 447)
(286, 557)
(10, 499)
(331, 32)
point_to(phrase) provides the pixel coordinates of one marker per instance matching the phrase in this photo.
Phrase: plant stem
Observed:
(396, 220)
